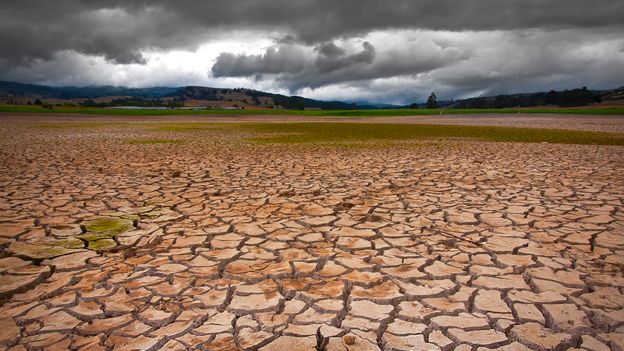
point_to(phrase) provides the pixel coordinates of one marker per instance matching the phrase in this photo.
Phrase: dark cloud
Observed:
(395, 51)
(119, 30)
(282, 59)
(330, 50)
(331, 64)
(292, 62)
(333, 58)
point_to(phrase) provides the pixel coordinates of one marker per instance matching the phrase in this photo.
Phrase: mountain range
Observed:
(18, 93)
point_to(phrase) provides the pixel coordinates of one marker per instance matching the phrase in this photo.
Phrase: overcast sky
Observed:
(394, 51)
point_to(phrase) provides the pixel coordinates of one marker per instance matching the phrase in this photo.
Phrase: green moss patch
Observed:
(100, 232)
(94, 236)
(102, 244)
(108, 226)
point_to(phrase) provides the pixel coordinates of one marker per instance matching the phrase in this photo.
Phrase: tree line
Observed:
(566, 98)
(134, 101)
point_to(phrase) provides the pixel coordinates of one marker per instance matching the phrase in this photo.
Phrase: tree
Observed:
(89, 103)
(551, 98)
(38, 102)
(432, 101)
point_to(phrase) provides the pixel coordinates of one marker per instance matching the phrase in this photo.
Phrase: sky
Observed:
(393, 51)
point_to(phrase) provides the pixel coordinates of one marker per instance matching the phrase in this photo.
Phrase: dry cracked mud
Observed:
(218, 244)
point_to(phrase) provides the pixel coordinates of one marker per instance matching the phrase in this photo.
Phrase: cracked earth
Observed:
(219, 244)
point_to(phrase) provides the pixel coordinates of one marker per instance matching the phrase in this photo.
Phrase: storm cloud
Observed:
(331, 64)
(282, 59)
(307, 46)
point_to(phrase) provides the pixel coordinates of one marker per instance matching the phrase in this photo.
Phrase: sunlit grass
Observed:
(332, 132)
(349, 132)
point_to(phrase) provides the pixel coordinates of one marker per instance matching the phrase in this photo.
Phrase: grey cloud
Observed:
(330, 50)
(332, 57)
(474, 64)
(465, 48)
(526, 61)
(119, 30)
(328, 63)
(283, 59)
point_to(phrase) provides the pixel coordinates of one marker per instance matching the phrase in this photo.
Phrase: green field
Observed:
(337, 113)
(346, 132)
(331, 132)
(350, 132)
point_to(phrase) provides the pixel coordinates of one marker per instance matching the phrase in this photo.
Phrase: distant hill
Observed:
(199, 96)
(13, 89)
(256, 98)
(188, 95)
(562, 98)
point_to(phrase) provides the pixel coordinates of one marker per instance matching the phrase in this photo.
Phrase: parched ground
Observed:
(601, 123)
(218, 243)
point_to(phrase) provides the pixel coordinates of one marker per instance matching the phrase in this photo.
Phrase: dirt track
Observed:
(223, 245)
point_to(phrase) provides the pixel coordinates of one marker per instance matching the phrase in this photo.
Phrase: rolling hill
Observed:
(209, 97)
(11, 92)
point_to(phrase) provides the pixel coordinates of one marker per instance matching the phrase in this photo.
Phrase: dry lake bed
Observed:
(246, 233)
